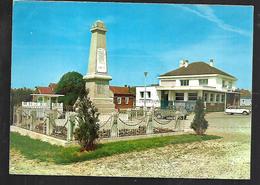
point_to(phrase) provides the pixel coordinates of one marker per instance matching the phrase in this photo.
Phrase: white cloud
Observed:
(208, 13)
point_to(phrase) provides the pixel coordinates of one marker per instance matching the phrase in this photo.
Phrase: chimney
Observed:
(211, 62)
(184, 63)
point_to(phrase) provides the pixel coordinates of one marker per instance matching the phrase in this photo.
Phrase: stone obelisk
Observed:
(97, 78)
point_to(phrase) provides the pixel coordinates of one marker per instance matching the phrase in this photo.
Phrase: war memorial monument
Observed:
(97, 78)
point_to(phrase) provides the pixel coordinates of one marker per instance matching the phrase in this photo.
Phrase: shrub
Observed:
(87, 131)
(199, 123)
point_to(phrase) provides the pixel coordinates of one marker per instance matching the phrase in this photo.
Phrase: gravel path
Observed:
(226, 158)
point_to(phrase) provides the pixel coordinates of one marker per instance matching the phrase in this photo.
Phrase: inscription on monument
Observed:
(101, 60)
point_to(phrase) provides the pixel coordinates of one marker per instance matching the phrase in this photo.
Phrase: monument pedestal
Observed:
(99, 92)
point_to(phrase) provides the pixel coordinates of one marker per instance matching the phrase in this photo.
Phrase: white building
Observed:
(246, 101)
(183, 86)
(44, 99)
(149, 95)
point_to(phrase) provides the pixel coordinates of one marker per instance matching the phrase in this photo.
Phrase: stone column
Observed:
(129, 114)
(32, 120)
(178, 121)
(149, 123)
(18, 117)
(70, 125)
(114, 128)
(49, 124)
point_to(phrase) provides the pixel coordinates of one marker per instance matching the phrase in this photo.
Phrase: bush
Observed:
(87, 131)
(199, 123)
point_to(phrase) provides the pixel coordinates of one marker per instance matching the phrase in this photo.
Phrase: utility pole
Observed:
(145, 75)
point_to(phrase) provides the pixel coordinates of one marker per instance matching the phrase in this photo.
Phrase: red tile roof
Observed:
(47, 90)
(120, 90)
(44, 90)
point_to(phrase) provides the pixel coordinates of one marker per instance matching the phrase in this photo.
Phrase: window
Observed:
(40, 99)
(192, 96)
(142, 94)
(118, 99)
(148, 94)
(222, 98)
(184, 82)
(203, 81)
(229, 85)
(205, 97)
(217, 98)
(179, 96)
(224, 83)
(211, 97)
(126, 100)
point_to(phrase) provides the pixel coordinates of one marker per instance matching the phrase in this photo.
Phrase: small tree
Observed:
(199, 123)
(87, 131)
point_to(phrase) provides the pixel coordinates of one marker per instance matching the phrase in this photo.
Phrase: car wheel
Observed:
(245, 113)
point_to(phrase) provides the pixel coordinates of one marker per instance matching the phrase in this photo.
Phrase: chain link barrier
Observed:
(109, 119)
(130, 124)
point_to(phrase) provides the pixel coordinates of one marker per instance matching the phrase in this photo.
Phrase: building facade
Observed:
(183, 86)
(123, 98)
(147, 97)
(245, 97)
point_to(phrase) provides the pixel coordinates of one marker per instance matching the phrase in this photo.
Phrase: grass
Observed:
(43, 151)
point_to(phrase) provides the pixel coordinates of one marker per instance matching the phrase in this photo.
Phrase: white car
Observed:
(237, 110)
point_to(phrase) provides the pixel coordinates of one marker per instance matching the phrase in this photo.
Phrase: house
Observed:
(147, 97)
(123, 97)
(45, 98)
(183, 86)
(245, 97)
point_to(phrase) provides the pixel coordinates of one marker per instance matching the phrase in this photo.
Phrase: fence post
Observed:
(49, 122)
(149, 123)
(178, 121)
(71, 124)
(18, 113)
(129, 114)
(32, 119)
(114, 129)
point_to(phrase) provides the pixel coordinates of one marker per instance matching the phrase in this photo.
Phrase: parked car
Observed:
(237, 110)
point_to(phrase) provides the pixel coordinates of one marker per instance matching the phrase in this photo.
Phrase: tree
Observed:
(17, 96)
(20, 94)
(87, 131)
(70, 85)
(199, 123)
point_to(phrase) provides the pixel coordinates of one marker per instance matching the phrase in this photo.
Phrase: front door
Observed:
(164, 99)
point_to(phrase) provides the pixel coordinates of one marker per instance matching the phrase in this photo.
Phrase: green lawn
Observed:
(43, 151)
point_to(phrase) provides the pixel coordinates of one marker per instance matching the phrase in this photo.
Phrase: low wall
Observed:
(42, 137)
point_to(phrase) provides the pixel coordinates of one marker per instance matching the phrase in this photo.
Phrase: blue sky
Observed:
(52, 38)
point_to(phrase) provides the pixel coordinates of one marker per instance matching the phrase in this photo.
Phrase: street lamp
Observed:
(145, 74)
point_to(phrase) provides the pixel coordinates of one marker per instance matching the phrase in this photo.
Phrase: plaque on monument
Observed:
(101, 60)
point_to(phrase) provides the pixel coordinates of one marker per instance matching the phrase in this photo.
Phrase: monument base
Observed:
(100, 95)
(104, 105)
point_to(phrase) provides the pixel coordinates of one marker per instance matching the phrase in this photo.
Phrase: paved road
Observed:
(226, 158)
